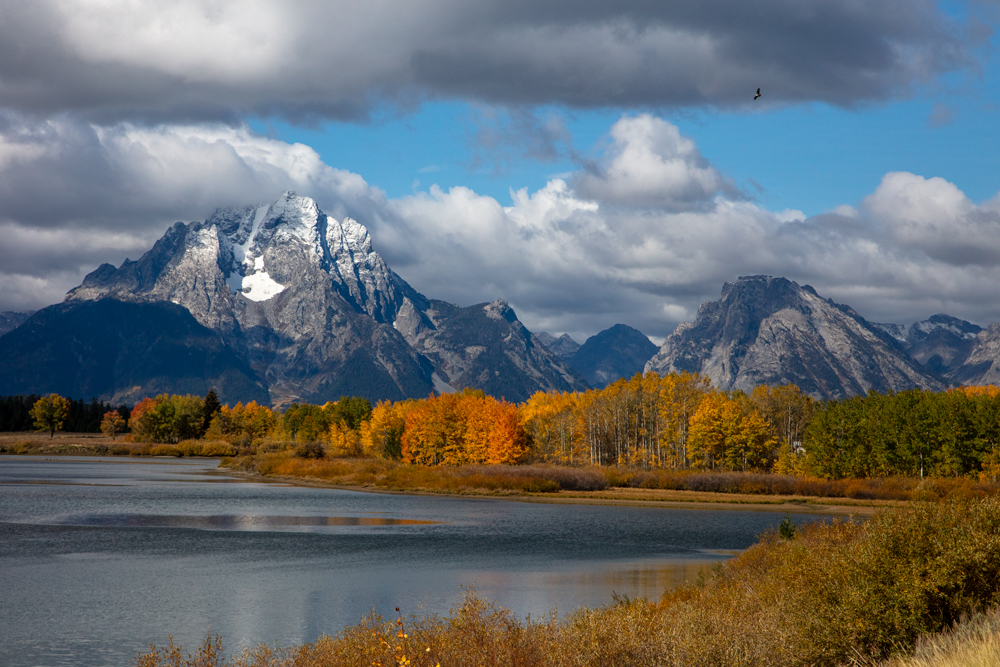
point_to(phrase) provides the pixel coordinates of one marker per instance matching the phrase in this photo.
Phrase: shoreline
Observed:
(616, 497)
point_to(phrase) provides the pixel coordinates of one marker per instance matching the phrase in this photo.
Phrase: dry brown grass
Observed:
(97, 444)
(609, 483)
(974, 642)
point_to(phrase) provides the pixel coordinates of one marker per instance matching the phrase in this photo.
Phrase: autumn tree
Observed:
(550, 422)
(382, 434)
(167, 418)
(305, 422)
(508, 444)
(434, 432)
(242, 424)
(112, 424)
(728, 432)
(682, 393)
(465, 427)
(49, 413)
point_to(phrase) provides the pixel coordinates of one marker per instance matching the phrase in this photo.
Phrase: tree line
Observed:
(81, 417)
(675, 422)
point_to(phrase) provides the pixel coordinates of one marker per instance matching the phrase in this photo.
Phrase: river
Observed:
(99, 557)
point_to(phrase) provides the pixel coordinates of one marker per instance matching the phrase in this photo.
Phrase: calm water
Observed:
(100, 557)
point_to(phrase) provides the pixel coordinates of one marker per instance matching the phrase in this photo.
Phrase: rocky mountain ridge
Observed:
(767, 330)
(316, 312)
(940, 343)
(12, 319)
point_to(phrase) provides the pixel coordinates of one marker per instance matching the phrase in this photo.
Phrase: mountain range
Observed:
(615, 353)
(293, 302)
(281, 302)
(767, 330)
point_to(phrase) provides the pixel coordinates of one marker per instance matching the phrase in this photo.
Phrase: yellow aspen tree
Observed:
(477, 414)
(681, 394)
(708, 431)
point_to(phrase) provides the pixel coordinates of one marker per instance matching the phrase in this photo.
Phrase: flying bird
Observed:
(757, 95)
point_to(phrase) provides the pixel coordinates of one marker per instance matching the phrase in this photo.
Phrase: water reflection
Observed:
(232, 521)
(120, 555)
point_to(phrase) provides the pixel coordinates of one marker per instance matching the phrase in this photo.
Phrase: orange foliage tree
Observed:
(466, 427)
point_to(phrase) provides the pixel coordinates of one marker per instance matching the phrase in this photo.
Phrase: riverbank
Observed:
(536, 483)
(829, 594)
(614, 496)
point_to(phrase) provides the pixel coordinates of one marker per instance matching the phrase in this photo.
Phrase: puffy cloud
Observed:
(653, 165)
(73, 195)
(642, 237)
(222, 59)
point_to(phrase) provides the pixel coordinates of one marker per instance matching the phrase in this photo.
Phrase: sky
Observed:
(590, 162)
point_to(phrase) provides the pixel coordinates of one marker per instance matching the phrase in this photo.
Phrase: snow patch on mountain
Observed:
(259, 286)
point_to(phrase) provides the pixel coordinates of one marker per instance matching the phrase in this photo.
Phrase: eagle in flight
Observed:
(757, 95)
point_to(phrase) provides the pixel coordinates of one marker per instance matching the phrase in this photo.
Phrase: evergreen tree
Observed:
(212, 408)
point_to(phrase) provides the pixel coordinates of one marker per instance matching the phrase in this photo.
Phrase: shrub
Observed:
(840, 593)
(310, 450)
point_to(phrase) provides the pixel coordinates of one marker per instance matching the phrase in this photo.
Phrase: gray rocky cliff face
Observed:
(766, 330)
(981, 365)
(564, 347)
(318, 313)
(940, 343)
(486, 347)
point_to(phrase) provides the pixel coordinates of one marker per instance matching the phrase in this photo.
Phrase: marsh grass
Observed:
(836, 594)
(391, 475)
(382, 473)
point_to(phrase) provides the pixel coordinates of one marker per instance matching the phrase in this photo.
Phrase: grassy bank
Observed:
(835, 594)
(609, 482)
(98, 444)
(595, 483)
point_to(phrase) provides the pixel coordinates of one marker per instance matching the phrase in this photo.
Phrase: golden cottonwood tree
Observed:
(682, 393)
(49, 413)
(728, 432)
(112, 424)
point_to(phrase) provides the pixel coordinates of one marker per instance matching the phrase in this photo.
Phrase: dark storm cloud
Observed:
(202, 59)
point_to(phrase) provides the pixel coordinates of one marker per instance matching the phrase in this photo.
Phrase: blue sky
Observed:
(811, 156)
(868, 168)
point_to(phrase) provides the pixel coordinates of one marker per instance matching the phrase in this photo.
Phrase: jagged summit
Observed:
(768, 330)
(941, 343)
(564, 346)
(316, 310)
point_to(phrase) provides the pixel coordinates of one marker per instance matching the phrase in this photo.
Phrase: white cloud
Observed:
(578, 255)
(653, 165)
